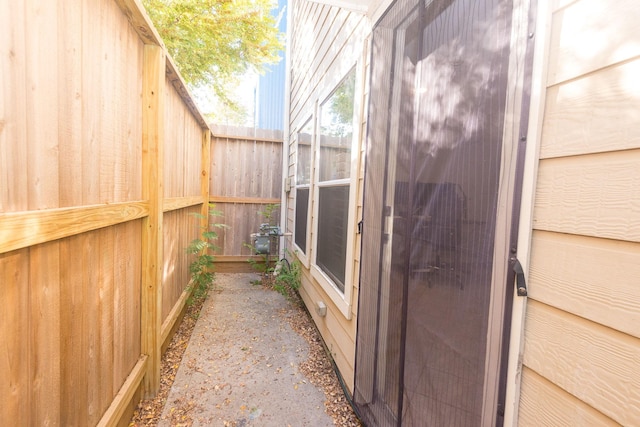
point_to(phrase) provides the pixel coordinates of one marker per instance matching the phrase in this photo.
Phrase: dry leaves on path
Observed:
(148, 412)
(317, 368)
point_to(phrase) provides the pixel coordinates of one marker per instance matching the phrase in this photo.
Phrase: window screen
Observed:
(303, 183)
(336, 139)
(302, 210)
(332, 232)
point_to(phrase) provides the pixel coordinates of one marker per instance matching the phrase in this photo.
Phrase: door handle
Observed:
(521, 281)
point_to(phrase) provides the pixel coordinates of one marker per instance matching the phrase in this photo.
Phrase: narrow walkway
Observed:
(241, 365)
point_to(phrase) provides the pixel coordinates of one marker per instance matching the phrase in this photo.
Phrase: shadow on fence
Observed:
(104, 159)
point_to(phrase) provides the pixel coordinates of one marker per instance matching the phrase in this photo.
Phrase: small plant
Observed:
(287, 277)
(268, 211)
(201, 268)
(282, 276)
(260, 266)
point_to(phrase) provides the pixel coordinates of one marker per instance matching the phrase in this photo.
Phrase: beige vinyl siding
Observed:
(326, 42)
(545, 404)
(582, 333)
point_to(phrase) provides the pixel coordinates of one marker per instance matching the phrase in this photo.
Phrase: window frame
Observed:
(342, 300)
(303, 254)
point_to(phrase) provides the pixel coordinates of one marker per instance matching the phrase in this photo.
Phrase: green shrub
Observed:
(287, 276)
(202, 267)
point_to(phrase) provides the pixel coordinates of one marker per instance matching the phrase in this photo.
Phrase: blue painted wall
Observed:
(270, 91)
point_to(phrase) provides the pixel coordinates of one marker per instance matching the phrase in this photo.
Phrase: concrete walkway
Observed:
(241, 365)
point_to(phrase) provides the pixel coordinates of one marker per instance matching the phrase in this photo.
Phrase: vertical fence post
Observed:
(153, 87)
(204, 177)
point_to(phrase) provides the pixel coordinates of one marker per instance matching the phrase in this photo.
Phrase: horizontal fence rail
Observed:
(105, 160)
(108, 171)
(246, 177)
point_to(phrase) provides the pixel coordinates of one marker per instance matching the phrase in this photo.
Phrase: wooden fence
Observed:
(103, 157)
(246, 177)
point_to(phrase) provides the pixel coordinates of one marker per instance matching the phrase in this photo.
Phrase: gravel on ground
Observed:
(318, 368)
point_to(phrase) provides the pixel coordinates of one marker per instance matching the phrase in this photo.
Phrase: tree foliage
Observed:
(343, 99)
(214, 42)
(337, 112)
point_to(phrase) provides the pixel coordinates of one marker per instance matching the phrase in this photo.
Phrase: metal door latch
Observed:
(521, 282)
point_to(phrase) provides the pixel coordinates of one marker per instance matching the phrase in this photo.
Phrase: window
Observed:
(303, 186)
(334, 164)
(325, 195)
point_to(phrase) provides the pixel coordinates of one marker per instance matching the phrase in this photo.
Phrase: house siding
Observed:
(582, 323)
(326, 43)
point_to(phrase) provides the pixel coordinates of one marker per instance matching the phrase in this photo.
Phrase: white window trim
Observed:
(343, 301)
(304, 254)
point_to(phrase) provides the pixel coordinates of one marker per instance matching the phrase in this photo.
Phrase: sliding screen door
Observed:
(433, 278)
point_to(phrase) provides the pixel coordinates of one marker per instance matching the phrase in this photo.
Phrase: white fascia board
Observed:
(360, 6)
(372, 8)
(377, 9)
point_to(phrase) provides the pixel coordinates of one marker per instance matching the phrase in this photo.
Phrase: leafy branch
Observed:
(202, 267)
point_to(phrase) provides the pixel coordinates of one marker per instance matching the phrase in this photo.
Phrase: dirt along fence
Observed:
(103, 159)
(246, 180)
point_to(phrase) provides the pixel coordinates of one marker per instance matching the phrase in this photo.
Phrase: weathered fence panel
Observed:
(181, 155)
(182, 185)
(246, 177)
(70, 98)
(103, 159)
(180, 228)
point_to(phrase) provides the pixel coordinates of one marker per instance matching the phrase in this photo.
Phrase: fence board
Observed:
(128, 120)
(248, 167)
(92, 284)
(173, 153)
(72, 208)
(125, 394)
(249, 200)
(246, 175)
(105, 310)
(152, 165)
(13, 111)
(112, 122)
(180, 227)
(120, 318)
(127, 266)
(205, 166)
(91, 49)
(14, 338)
(70, 108)
(242, 220)
(44, 333)
(74, 326)
(19, 230)
(183, 145)
(180, 203)
(139, 21)
(41, 104)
